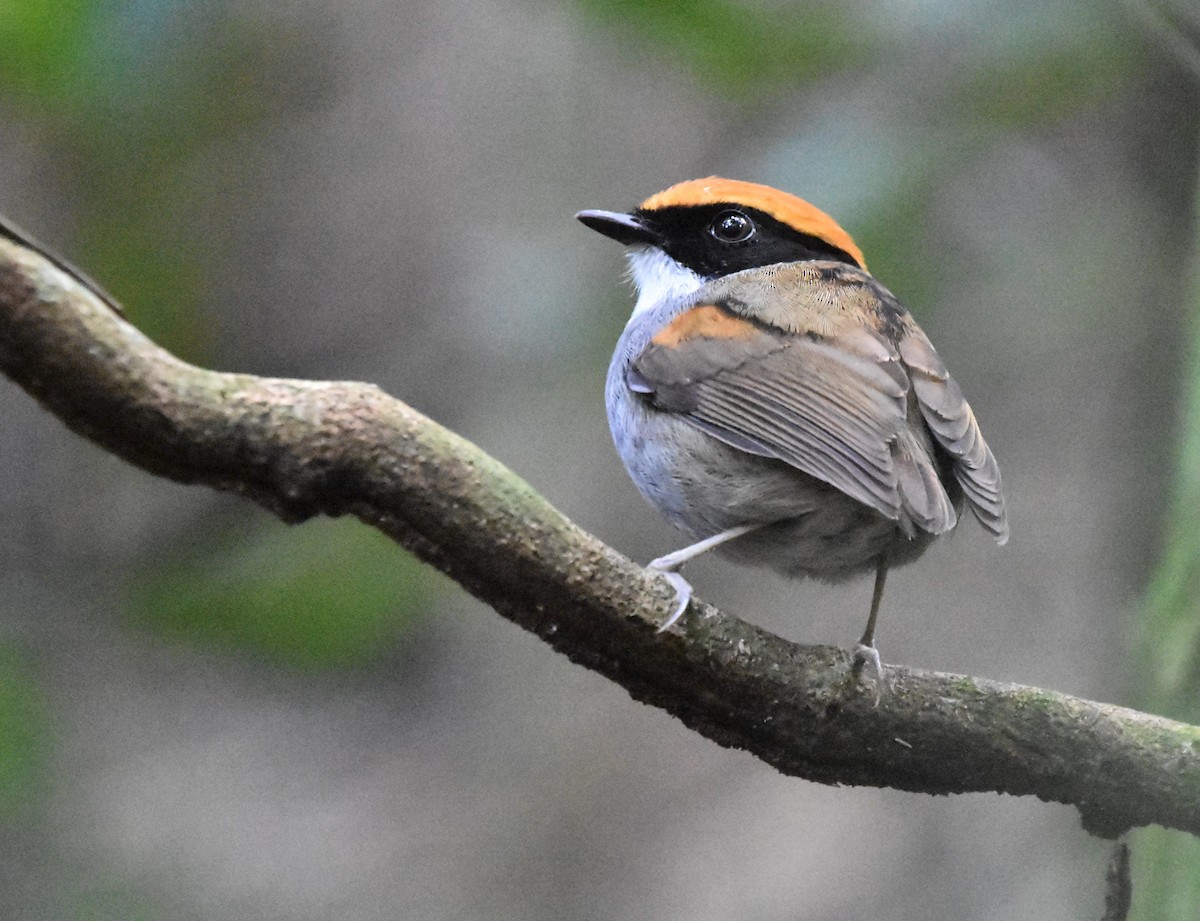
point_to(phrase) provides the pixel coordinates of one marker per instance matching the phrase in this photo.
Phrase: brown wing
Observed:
(835, 407)
(953, 424)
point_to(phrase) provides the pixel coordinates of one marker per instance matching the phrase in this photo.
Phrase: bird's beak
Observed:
(627, 229)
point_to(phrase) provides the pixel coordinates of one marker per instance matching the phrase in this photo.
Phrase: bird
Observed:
(778, 404)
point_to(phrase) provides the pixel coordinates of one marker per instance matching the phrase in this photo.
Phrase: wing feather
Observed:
(954, 427)
(835, 407)
(817, 453)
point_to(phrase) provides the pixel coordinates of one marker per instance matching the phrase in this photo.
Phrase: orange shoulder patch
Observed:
(788, 209)
(704, 322)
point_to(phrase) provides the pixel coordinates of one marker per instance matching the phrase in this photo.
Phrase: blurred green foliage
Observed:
(737, 48)
(1166, 881)
(1050, 61)
(1169, 640)
(328, 594)
(114, 901)
(24, 740)
(1167, 864)
(125, 89)
(44, 44)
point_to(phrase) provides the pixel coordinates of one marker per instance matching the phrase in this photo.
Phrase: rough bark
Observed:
(305, 448)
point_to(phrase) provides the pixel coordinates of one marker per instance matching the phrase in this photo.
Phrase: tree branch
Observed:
(303, 448)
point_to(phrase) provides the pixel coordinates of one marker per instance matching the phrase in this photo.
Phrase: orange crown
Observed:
(788, 209)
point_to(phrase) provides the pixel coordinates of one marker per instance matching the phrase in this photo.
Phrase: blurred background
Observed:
(205, 714)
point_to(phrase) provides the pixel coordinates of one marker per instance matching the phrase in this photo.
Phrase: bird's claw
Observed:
(867, 658)
(683, 592)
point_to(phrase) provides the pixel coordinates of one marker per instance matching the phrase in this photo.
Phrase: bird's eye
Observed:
(732, 227)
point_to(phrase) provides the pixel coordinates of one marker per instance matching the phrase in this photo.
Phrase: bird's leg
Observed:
(670, 564)
(864, 650)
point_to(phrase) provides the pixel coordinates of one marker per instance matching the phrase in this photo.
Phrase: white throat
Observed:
(658, 277)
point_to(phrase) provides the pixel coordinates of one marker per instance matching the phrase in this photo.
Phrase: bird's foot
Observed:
(669, 566)
(683, 588)
(866, 658)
